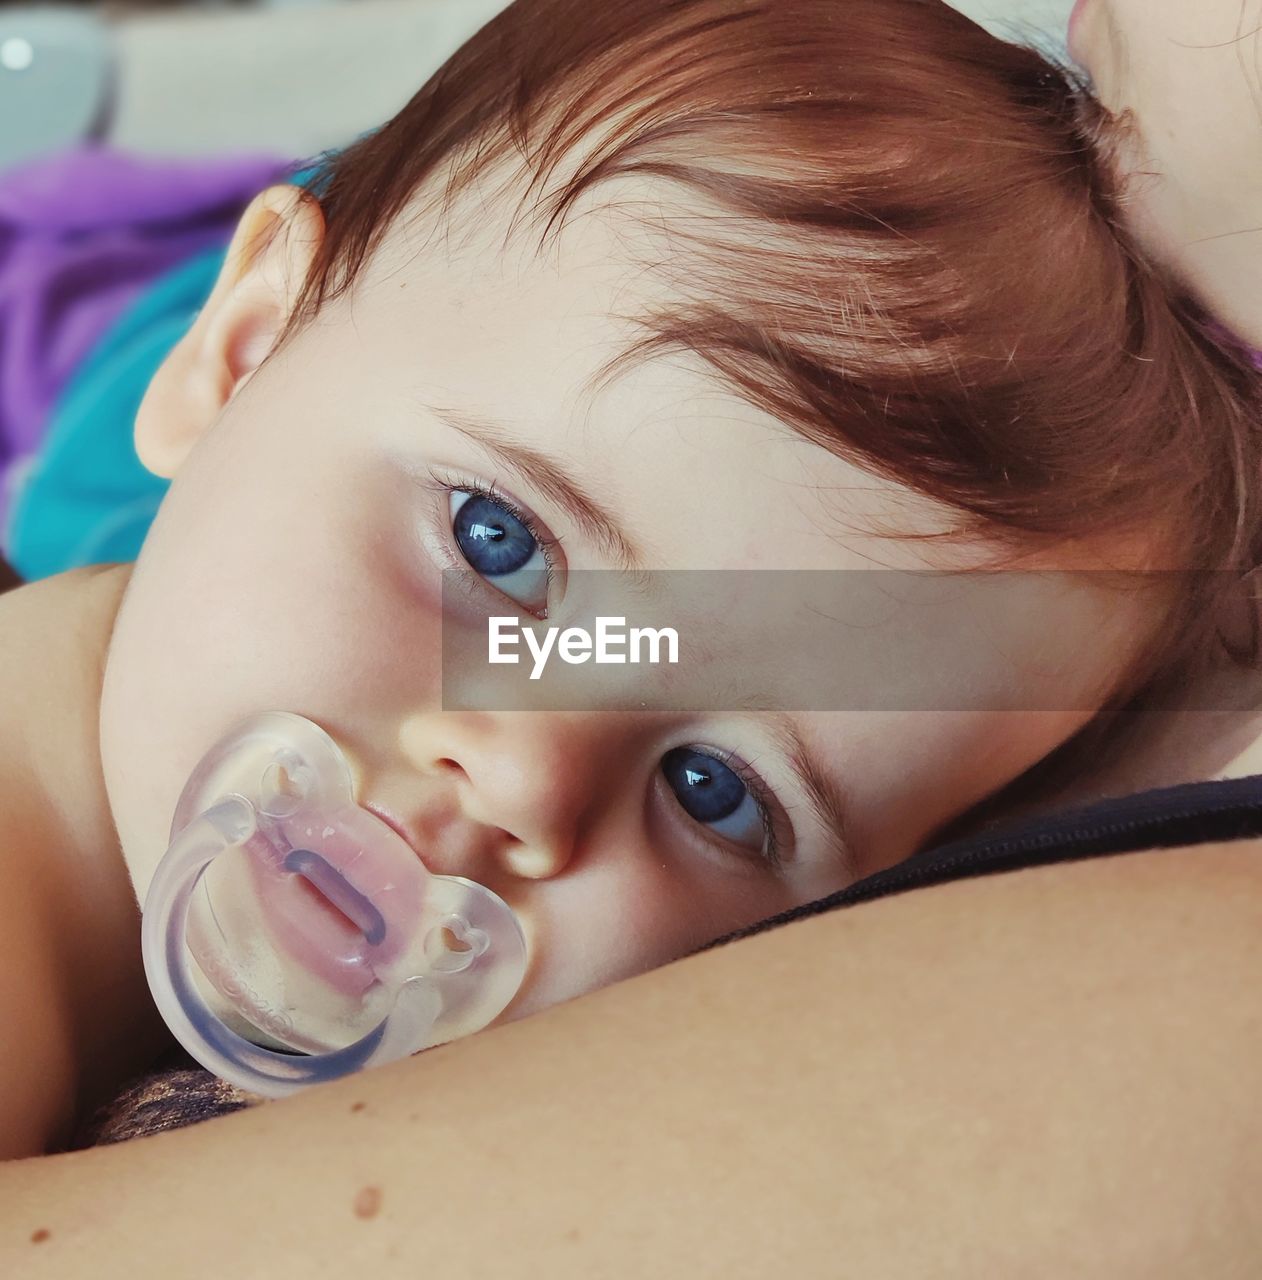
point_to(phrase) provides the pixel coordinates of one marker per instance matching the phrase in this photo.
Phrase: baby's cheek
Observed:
(593, 932)
(670, 911)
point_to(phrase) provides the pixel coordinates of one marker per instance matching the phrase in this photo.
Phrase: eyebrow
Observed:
(548, 477)
(826, 796)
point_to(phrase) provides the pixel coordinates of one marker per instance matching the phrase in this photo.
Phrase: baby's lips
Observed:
(343, 896)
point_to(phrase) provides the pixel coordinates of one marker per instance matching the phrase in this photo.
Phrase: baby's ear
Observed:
(262, 276)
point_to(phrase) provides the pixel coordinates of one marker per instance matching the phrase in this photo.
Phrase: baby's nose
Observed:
(518, 787)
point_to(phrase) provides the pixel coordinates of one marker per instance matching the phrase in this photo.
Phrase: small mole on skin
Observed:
(359, 1106)
(368, 1202)
(573, 1234)
(38, 1237)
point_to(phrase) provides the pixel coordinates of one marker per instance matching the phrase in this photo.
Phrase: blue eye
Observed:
(499, 546)
(714, 795)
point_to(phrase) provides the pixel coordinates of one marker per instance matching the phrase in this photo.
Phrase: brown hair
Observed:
(915, 255)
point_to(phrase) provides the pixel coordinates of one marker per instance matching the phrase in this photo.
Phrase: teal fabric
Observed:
(86, 498)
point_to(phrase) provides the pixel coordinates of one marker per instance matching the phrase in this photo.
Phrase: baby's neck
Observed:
(1214, 247)
(54, 636)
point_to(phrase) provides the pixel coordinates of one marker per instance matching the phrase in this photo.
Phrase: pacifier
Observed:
(291, 936)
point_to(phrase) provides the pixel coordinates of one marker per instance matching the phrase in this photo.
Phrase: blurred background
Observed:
(284, 76)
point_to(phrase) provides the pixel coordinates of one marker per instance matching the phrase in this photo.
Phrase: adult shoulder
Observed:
(1049, 1072)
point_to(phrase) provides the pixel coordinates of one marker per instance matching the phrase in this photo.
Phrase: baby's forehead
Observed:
(503, 326)
(486, 252)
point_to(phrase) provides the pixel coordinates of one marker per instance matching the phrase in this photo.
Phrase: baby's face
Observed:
(297, 561)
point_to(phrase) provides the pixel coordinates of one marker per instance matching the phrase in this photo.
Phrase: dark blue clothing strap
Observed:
(1172, 817)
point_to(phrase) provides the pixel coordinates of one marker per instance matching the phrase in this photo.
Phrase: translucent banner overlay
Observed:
(827, 640)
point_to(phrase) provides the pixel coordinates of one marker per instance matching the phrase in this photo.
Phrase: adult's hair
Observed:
(901, 240)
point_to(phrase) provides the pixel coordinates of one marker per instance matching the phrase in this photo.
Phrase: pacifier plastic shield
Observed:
(310, 918)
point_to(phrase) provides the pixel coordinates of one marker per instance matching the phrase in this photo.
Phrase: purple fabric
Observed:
(82, 232)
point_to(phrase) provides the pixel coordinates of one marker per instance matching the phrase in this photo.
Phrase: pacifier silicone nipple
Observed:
(290, 936)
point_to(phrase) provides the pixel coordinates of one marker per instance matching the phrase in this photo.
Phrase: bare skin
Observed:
(990, 1078)
(73, 993)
